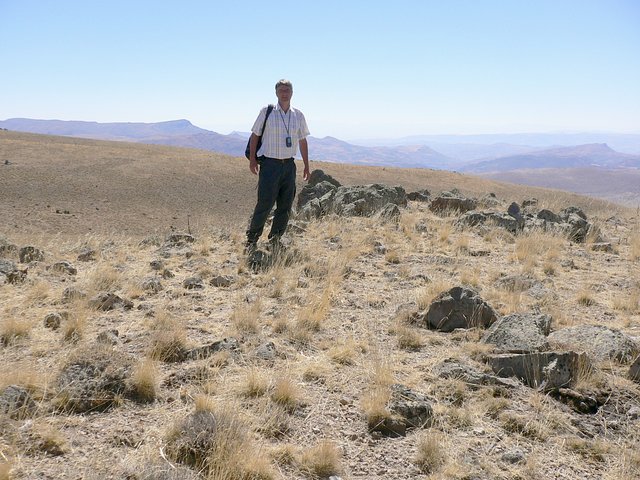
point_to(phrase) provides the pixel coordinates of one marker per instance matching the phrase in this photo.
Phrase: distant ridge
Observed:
(592, 155)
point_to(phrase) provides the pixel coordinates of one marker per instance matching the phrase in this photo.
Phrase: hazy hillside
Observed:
(621, 185)
(593, 155)
(136, 188)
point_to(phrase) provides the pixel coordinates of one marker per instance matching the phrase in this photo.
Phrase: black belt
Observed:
(281, 160)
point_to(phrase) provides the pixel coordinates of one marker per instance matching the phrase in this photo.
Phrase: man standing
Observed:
(284, 130)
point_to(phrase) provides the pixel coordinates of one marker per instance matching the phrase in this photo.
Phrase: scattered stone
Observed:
(193, 283)
(10, 273)
(229, 344)
(16, 402)
(53, 320)
(514, 456)
(166, 274)
(109, 301)
(514, 211)
(93, 382)
(318, 176)
(366, 200)
(548, 216)
(8, 249)
(222, 281)
(599, 342)
(545, 370)
(179, 239)
(87, 255)
(634, 370)
(191, 440)
(460, 307)
(530, 202)
(64, 267)
(266, 351)
(109, 337)
(419, 196)
(390, 212)
(602, 247)
(452, 368)
(72, 294)
(408, 410)
(520, 333)
(30, 254)
(156, 265)
(379, 248)
(151, 284)
(452, 201)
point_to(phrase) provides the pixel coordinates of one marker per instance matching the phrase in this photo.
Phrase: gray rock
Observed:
(109, 301)
(419, 196)
(30, 254)
(520, 333)
(409, 409)
(179, 239)
(634, 370)
(452, 368)
(460, 307)
(16, 402)
(513, 456)
(222, 281)
(193, 283)
(266, 351)
(64, 267)
(599, 342)
(53, 320)
(390, 212)
(602, 247)
(72, 294)
(87, 255)
(548, 216)
(452, 201)
(259, 260)
(156, 265)
(151, 284)
(10, 273)
(230, 344)
(366, 200)
(546, 370)
(317, 176)
(566, 213)
(109, 337)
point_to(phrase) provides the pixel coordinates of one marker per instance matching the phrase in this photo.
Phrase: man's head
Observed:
(284, 83)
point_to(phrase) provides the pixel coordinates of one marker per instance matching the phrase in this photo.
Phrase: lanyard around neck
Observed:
(286, 125)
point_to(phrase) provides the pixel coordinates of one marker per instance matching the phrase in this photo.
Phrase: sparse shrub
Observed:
(585, 298)
(523, 425)
(274, 420)
(245, 317)
(75, 324)
(286, 393)
(344, 353)
(392, 257)
(408, 338)
(284, 454)
(13, 329)
(430, 454)
(628, 303)
(168, 339)
(322, 460)
(595, 449)
(104, 278)
(144, 381)
(255, 384)
(375, 406)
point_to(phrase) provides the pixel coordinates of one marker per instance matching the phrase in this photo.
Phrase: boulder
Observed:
(452, 368)
(459, 307)
(452, 201)
(390, 212)
(520, 333)
(544, 370)
(193, 283)
(366, 200)
(599, 342)
(9, 273)
(548, 216)
(106, 301)
(317, 176)
(408, 410)
(314, 192)
(54, 320)
(64, 267)
(16, 402)
(30, 254)
(419, 196)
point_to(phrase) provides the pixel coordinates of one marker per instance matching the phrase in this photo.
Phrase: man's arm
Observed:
(304, 151)
(253, 161)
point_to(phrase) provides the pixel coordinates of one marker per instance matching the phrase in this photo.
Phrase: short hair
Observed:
(284, 83)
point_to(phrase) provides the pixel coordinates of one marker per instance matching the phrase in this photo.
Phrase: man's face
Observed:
(284, 93)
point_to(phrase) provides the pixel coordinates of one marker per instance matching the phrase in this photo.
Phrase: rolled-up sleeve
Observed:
(303, 130)
(257, 126)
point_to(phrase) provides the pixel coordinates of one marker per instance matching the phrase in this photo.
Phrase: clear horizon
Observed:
(360, 70)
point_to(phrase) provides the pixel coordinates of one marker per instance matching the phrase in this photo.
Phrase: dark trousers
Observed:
(276, 185)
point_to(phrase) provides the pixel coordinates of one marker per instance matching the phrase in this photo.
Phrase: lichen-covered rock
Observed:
(599, 342)
(520, 333)
(452, 201)
(459, 307)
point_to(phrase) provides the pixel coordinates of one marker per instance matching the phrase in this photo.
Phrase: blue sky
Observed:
(360, 69)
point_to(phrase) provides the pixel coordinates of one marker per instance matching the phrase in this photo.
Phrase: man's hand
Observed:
(305, 173)
(253, 165)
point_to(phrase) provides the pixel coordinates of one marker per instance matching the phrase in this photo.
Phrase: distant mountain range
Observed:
(494, 156)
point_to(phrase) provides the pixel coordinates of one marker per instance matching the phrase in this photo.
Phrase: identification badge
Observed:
(288, 140)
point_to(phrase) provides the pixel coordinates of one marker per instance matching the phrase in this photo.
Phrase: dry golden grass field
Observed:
(313, 344)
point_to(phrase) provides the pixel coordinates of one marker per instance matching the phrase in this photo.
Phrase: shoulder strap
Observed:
(269, 110)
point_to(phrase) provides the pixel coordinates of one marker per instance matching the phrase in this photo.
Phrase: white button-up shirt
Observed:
(279, 126)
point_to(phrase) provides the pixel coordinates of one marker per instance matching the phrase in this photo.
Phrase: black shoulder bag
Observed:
(247, 150)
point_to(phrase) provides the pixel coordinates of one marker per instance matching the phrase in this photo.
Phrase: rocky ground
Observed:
(401, 344)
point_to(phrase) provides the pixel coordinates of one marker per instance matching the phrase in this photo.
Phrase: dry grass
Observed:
(321, 460)
(254, 384)
(168, 338)
(431, 452)
(245, 317)
(286, 393)
(144, 381)
(13, 330)
(5, 470)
